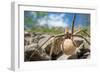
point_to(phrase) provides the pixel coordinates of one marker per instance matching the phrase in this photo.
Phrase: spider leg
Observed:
(52, 47)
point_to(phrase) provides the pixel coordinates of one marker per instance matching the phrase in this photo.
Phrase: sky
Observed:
(59, 19)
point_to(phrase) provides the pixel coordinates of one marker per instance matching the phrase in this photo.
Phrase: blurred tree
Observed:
(31, 18)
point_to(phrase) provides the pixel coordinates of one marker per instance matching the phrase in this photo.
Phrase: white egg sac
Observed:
(68, 47)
